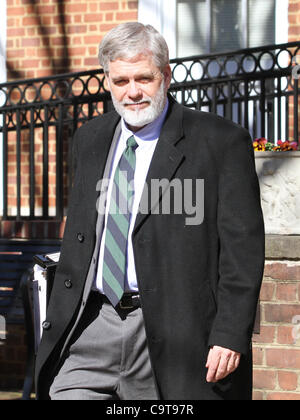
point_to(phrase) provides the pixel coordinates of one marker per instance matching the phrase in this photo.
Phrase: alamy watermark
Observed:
(296, 329)
(296, 67)
(2, 328)
(161, 196)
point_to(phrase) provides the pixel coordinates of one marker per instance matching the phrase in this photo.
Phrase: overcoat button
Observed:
(68, 284)
(80, 237)
(46, 325)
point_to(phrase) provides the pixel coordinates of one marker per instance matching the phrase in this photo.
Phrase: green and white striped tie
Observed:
(117, 228)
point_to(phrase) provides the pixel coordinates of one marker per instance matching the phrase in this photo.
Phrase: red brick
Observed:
(29, 20)
(267, 291)
(293, 7)
(31, 63)
(281, 312)
(266, 335)
(93, 17)
(77, 51)
(283, 358)
(109, 5)
(264, 379)
(58, 41)
(132, 5)
(76, 29)
(285, 335)
(76, 8)
(288, 381)
(258, 396)
(15, 32)
(286, 292)
(92, 61)
(30, 42)
(15, 53)
(278, 396)
(258, 355)
(15, 11)
(126, 16)
(43, 10)
(105, 27)
(93, 39)
(282, 271)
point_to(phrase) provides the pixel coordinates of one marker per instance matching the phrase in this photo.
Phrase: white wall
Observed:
(2, 80)
(161, 14)
(282, 21)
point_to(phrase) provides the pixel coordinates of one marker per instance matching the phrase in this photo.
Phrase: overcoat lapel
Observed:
(101, 141)
(166, 160)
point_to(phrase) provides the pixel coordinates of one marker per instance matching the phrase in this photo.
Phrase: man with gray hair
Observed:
(146, 305)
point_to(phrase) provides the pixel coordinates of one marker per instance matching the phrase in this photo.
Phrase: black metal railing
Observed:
(39, 117)
(257, 88)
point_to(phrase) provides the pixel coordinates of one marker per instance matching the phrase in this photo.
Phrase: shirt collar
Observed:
(151, 131)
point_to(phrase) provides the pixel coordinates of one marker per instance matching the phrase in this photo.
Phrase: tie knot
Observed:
(131, 142)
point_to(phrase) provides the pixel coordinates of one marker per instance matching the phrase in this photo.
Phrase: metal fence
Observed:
(257, 88)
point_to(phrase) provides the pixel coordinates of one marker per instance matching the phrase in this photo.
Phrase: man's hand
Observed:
(220, 363)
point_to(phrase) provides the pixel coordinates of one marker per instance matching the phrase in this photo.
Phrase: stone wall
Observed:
(279, 176)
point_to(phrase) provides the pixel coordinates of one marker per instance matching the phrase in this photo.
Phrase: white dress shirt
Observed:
(146, 139)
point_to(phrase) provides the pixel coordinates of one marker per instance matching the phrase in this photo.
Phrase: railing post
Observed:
(296, 105)
(262, 106)
(229, 101)
(246, 107)
(45, 164)
(5, 168)
(32, 164)
(18, 164)
(59, 163)
(279, 108)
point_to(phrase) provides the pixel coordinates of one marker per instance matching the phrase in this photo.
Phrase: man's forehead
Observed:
(138, 63)
(145, 56)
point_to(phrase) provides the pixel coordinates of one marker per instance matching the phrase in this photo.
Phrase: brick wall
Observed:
(294, 20)
(49, 36)
(277, 347)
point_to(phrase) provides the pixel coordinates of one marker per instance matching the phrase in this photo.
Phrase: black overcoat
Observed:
(199, 284)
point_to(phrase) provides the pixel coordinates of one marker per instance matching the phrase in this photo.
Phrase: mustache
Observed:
(147, 100)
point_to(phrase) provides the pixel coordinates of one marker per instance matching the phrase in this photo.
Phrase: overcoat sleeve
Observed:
(241, 240)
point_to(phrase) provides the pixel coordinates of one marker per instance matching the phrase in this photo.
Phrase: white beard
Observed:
(142, 117)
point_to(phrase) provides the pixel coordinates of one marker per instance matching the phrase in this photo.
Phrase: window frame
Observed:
(244, 23)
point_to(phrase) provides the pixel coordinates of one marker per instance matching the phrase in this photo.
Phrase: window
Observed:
(211, 26)
(193, 27)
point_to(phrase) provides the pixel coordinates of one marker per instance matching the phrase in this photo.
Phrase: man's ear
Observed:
(106, 81)
(167, 75)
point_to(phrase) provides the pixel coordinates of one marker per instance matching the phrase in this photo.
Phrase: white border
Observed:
(3, 79)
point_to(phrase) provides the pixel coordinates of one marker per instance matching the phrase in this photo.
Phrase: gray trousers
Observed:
(107, 357)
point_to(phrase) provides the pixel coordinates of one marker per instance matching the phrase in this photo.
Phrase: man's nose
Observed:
(134, 90)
